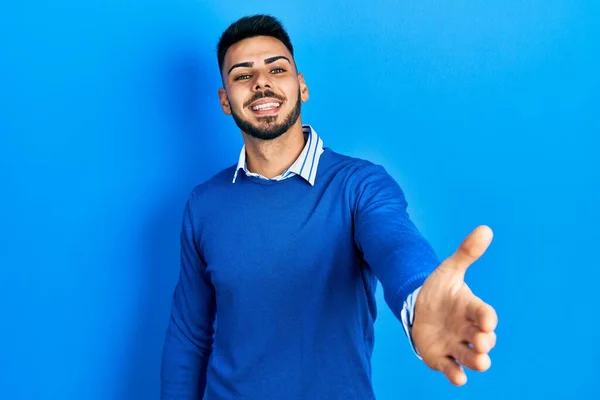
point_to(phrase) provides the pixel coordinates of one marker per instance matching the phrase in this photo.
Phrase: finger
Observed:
(470, 358)
(491, 338)
(473, 247)
(482, 314)
(481, 342)
(453, 371)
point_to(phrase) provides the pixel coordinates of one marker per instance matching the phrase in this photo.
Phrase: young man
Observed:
(281, 253)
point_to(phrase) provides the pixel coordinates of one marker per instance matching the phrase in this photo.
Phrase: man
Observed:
(281, 254)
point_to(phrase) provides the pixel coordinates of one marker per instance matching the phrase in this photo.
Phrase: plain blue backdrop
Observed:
(485, 113)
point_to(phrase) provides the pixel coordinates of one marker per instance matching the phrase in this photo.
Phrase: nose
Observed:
(262, 81)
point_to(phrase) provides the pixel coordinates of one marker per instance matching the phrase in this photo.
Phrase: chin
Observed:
(267, 120)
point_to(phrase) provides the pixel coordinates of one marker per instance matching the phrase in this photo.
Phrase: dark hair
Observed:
(251, 26)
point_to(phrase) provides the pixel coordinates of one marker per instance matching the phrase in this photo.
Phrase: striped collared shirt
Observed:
(305, 165)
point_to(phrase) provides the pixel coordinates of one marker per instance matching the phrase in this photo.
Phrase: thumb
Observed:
(473, 247)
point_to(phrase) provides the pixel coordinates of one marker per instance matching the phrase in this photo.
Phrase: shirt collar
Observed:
(305, 165)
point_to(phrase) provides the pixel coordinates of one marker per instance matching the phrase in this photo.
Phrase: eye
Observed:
(277, 70)
(242, 77)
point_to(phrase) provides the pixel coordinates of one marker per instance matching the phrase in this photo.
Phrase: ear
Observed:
(224, 101)
(303, 87)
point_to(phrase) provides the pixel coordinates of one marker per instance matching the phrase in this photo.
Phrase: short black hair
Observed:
(251, 26)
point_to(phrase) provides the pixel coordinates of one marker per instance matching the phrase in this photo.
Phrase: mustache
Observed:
(261, 95)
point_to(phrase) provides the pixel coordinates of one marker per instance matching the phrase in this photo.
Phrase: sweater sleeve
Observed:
(390, 243)
(189, 336)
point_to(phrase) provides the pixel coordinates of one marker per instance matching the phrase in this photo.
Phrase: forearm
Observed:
(184, 360)
(402, 260)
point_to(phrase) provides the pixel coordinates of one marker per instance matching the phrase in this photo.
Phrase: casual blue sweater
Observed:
(276, 294)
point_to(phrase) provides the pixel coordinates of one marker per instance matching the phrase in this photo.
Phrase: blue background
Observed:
(485, 113)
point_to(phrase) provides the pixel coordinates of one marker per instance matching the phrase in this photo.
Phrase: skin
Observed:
(451, 324)
(243, 83)
(453, 329)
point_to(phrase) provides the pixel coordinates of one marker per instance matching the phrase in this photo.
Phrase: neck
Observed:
(270, 158)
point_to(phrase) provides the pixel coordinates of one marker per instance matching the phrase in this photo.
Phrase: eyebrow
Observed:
(249, 64)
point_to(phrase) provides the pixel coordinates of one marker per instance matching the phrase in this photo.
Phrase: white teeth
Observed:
(265, 106)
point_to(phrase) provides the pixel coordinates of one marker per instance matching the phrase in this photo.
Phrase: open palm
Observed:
(452, 327)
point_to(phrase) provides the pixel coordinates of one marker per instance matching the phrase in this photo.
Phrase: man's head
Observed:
(262, 88)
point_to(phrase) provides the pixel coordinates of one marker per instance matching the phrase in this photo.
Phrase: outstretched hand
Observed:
(452, 327)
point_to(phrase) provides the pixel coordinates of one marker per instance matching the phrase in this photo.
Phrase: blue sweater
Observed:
(276, 294)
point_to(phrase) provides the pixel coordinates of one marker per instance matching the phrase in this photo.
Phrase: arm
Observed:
(189, 335)
(451, 327)
(390, 243)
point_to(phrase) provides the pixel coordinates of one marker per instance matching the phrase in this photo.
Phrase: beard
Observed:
(267, 127)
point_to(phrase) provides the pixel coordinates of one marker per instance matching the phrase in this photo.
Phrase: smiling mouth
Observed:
(266, 108)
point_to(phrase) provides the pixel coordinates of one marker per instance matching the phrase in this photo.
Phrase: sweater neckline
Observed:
(271, 182)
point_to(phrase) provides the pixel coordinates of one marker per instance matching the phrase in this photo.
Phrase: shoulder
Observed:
(364, 182)
(212, 186)
(353, 168)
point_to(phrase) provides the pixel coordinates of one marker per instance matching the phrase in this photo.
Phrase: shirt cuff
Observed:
(407, 315)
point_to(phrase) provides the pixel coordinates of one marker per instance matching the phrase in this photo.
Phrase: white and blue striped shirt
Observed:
(306, 166)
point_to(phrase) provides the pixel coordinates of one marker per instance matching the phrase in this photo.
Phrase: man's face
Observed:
(263, 90)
